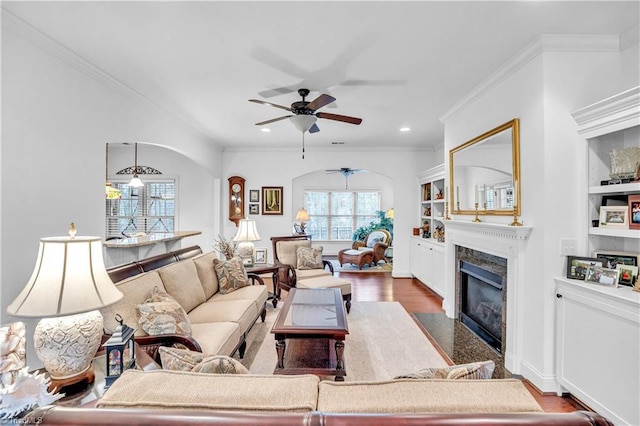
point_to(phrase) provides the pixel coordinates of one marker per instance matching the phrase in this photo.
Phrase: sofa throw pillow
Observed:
(231, 274)
(161, 314)
(309, 258)
(475, 370)
(186, 360)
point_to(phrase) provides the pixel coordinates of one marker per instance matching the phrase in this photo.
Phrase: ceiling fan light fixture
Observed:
(303, 122)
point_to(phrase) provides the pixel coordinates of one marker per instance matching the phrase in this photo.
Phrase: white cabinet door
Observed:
(598, 348)
(427, 263)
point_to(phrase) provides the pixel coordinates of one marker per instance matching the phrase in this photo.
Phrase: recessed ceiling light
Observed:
(265, 129)
(405, 129)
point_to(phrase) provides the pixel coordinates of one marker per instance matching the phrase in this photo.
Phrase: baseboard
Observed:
(536, 378)
(401, 274)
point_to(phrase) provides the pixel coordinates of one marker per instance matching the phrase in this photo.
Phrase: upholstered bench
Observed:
(329, 281)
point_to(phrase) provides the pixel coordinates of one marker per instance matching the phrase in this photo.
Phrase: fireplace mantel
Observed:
(494, 230)
(499, 239)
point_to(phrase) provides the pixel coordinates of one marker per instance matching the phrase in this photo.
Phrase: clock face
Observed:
(235, 187)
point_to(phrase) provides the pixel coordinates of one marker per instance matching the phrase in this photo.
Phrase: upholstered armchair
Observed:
(285, 257)
(371, 250)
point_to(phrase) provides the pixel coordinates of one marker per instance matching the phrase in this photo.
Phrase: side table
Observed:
(267, 268)
(87, 394)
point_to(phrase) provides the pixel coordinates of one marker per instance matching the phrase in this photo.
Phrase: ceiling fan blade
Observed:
(314, 128)
(320, 101)
(270, 93)
(258, 101)
(359, 82)
(273, 120)
(338, 117)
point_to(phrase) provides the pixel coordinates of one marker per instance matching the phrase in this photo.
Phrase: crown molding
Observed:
(541, 44)
(28, 32)
(617, 112)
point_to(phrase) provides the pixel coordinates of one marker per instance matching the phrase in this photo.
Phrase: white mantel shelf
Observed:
(496, 230)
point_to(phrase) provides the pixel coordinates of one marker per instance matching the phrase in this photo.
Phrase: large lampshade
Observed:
(68, 284)
(246, 234)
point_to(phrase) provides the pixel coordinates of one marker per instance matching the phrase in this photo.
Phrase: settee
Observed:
(218, 321)
(163, 397)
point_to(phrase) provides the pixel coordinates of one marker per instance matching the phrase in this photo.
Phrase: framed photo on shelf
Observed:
(615, 258)
(577, 266)
(261, 256)
(628, 275)
(272, 200)
(634, 211)
(254, 208)
(254, 196)
(614, 216)
(602, 276)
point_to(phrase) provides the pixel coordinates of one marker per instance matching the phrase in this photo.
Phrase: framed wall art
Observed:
(272, 200)
(614, 216)
(577, 266)
(602, 276)
(254, 208)
(254, 196)
(634, 211)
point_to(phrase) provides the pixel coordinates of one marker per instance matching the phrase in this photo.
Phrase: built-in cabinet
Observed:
(427, 263)
(432, 203)
(427, 248)
(598, 328)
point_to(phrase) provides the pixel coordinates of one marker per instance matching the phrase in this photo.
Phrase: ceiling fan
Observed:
(303, 113)
(346, 172)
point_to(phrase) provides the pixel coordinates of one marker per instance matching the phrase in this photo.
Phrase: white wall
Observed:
(542, 92)
(55, 122)
(282, 167)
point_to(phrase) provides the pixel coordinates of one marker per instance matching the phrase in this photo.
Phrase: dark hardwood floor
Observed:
(416, 297)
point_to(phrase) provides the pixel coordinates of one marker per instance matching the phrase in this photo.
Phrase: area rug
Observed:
(383, 342)
(348, 267)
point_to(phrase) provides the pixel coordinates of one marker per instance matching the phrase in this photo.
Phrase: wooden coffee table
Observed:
(310, 332)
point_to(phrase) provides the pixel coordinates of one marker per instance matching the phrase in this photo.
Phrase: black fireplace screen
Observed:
(481, 303)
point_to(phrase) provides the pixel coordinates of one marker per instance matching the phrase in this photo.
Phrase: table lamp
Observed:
(303, 217)
(247, 233)
(68, 285)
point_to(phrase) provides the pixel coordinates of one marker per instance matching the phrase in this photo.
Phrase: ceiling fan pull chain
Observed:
(303, 145)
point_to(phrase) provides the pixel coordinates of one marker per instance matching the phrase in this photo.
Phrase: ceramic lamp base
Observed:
(66, 345)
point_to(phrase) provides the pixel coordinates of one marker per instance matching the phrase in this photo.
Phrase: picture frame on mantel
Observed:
(272, 200)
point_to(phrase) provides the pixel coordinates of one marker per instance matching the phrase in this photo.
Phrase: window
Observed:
(149, 209)
(336, 215)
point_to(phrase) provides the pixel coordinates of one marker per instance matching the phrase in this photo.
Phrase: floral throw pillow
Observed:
(231, 274)
(309, 258)
(186, 360)
(475, 370)
(161, 314)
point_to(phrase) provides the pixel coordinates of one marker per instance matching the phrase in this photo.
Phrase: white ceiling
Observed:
(408, 62)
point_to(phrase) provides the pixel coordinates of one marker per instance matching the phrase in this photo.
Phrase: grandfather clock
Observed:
(236, 199)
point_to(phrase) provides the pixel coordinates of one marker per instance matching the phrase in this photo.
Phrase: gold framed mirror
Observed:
(486, 171)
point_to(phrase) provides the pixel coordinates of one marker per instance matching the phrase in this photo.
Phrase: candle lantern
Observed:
(119, 352)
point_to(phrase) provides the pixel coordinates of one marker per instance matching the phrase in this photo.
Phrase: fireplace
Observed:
(481, 301)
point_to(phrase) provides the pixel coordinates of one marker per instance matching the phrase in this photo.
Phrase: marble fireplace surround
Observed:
(501, 240)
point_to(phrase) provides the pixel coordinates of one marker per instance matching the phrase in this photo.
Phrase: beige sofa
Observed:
(179, 398)
(219, 322)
